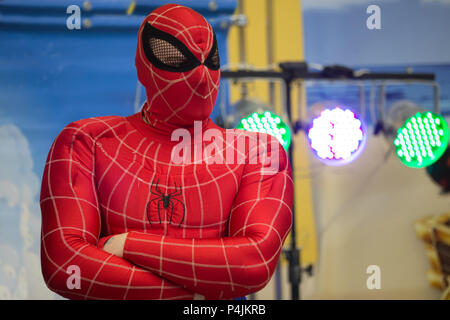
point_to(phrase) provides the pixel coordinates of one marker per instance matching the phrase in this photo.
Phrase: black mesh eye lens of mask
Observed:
(213, 59)
(168, 53)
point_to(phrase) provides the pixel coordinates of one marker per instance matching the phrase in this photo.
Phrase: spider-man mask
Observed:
(177, 61)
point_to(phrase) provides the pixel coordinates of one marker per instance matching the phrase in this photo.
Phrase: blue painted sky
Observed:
(413, 32)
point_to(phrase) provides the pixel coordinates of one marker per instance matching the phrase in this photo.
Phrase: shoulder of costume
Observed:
(98, 126)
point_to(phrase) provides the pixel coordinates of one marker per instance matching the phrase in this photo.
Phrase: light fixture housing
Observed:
(254, 116)
(336, 134)
(422, 139)
(439, 171)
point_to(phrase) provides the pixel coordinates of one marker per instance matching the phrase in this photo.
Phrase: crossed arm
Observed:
(226, 267)
(143, 266)
(71, 226)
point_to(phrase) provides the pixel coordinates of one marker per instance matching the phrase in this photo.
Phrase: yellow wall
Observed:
(287, 45)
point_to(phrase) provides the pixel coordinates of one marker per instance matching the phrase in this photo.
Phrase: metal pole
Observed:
(436, 97)
(270, 60)
(293, 254)
(270, 51)
(242, 50)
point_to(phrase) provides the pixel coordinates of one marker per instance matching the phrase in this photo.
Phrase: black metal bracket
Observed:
(293, 257)
(296, 271)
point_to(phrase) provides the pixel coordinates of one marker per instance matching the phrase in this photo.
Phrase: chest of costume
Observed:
(141, 189)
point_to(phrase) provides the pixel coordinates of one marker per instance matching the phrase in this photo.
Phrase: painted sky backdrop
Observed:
(49, 77)
(412, 32)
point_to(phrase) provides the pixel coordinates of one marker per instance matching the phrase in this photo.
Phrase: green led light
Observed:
(422, 140)
(267, 122)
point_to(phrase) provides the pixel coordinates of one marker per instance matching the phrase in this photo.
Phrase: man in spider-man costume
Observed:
(139, 225)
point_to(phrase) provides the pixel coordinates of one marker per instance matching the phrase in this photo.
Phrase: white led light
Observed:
(337, 136)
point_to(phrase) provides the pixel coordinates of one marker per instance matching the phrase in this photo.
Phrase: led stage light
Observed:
(422, 139)
(267, 122)
(337, 136)
(255, 116)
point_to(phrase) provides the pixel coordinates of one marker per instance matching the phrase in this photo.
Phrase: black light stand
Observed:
(293, 254)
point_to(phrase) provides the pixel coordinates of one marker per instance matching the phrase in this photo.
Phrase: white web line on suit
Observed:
(192, 45)
(171, 82)
(121, 214)
(252, 245)
(226, 283)
(196, 185)
(100, 298)
(131, 187)
(148, 157)
(186, 186)
(193, 262)
(98, 272)
(118, 181)
(115, 157)
(129, 282)
(227, 264)
(160, 91)
(189, 39)
(60, 268)
(126, 171)
(165, 210)
(193, 90)
(149, 193)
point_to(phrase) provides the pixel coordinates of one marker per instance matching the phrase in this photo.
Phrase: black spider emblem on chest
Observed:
(165, 201)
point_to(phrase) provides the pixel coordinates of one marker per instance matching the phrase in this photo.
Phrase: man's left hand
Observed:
(116, 244)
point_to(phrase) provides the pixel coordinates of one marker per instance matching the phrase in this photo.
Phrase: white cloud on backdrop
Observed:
(20, 270)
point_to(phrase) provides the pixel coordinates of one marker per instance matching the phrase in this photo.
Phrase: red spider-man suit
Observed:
(212, 229)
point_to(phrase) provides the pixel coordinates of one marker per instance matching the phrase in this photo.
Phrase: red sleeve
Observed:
(71, 226)
(232, 266)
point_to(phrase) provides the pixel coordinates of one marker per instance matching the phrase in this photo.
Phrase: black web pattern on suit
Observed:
(166, 201)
